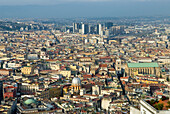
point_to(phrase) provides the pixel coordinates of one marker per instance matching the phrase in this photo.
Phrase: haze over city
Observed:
(82, 8)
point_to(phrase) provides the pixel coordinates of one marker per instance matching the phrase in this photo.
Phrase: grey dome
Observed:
(76, 81)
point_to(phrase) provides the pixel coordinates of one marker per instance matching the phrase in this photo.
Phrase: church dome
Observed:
(76, 81)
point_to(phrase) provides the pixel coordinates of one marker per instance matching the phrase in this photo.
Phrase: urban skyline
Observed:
(84, 57)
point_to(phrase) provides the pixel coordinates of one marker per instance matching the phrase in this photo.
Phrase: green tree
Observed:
(156, 106)
(168, 104)
(156, 100)
(143, 96)
(159, 106)
(152, 101)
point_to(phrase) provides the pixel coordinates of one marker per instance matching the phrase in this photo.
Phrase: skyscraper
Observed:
(108, 25)
(85, 28)
(91, 29)
(76, 27)
(99, 29)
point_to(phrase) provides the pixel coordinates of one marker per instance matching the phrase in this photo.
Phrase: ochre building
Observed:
(133, 69)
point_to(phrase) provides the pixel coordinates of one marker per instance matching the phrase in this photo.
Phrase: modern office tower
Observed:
(114, 30)
(80, 25)
(99, 29)
(122, 29)
(107, 32)
(108, 25)
(68, 29)
(76, 27)
(91, 29)
(85, 28)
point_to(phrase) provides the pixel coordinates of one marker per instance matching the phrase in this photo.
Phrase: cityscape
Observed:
(85, 65)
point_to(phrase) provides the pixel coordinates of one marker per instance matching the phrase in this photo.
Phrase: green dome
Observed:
(29, 101)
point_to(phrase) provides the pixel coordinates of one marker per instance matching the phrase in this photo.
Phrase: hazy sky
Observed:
(52, 2)
(82, 8)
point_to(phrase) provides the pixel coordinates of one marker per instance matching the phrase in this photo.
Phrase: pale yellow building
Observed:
(27, 70)
(65, 73)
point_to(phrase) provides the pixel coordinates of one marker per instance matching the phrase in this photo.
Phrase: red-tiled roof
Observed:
(103, 65)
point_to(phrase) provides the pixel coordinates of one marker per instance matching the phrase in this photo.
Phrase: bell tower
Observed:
(118, 66)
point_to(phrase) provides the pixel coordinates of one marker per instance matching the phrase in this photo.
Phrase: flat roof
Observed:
(140, 65)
